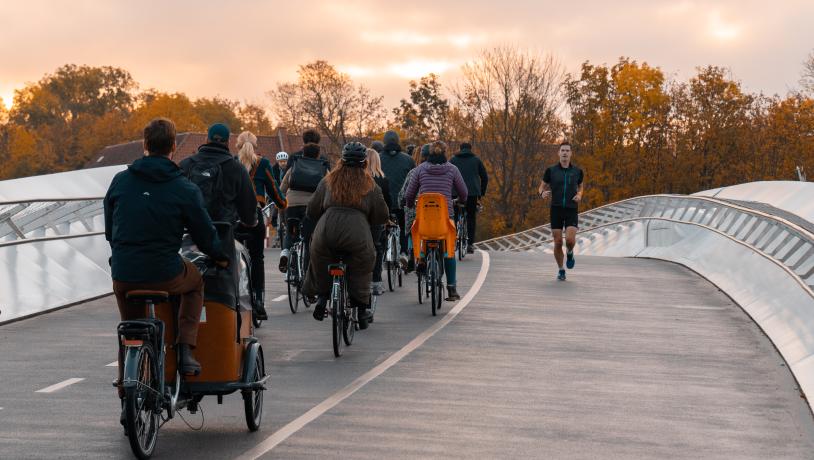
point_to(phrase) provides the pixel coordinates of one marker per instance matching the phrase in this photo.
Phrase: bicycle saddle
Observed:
(145, 296)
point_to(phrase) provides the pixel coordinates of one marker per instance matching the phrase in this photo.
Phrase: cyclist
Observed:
(563, 183)
(309, 136)
(476, 178)
(299, 185)
(254, 238)
(374, 166)
(396, 164)
(420, 156)
(345, 205)
(224, 182)
(437, 175)
(147, 208)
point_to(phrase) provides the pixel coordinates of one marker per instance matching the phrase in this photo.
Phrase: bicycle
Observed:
(432, 279)
(344, 318)
(391, 257)
(295, 272)
(462, 240)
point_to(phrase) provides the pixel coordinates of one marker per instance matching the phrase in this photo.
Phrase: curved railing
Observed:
(52, 247)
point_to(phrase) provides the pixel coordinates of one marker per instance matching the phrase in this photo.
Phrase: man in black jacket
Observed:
(396, 164)
(474, 174)
(147, 208)
(225, 183)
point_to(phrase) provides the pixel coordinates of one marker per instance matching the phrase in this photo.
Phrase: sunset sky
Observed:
(240, 49)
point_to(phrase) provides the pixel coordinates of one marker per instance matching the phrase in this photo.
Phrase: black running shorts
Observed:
(564, 217)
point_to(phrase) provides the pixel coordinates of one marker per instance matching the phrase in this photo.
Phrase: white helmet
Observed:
(282, 156)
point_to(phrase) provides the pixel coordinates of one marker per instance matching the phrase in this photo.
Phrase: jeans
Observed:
(380, 241)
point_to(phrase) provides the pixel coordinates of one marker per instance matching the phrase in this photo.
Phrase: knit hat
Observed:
(425, 151)
(218, 133)
(377, 146)
(391, 138)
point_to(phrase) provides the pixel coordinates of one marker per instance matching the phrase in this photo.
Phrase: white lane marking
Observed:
(292, 427)
(280, 298)
(113, 364)
(60, 385)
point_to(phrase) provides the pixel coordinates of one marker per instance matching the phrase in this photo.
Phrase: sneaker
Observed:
(452, 294)
(377, 288)
(319, 310)
(284, 260)
(561, 275)
(364, 317)
(470, 249)
(570, 262)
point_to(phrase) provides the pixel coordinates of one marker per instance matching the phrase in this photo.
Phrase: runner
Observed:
(563, 183)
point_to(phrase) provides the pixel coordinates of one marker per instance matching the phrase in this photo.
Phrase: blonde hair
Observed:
(246, 143)
(374, 163)
(438, 148)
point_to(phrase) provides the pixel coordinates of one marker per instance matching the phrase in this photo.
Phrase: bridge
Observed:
(686, 330)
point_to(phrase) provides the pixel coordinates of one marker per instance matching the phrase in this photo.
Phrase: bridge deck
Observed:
(629, 358)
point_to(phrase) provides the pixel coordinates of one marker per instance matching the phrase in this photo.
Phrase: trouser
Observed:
(380, 241)
(254, 239)
(450, 266)
(400, 218)
(188, 284)
(471, 218)
(306, 227)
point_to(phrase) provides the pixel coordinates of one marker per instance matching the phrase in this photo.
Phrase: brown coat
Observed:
(347, 231)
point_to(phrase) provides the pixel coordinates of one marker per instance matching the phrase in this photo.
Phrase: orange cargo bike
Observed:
(231, 357)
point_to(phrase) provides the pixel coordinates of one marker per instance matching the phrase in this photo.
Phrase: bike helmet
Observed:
(354, 154)
(282, 156)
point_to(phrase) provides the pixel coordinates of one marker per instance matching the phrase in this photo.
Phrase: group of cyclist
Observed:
(340, 210)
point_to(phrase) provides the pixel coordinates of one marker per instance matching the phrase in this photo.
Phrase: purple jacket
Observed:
(436, 178)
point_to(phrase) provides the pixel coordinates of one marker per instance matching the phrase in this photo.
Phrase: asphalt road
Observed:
(629, 358)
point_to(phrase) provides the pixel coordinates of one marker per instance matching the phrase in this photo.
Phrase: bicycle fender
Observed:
(249, 363)
(130, 374)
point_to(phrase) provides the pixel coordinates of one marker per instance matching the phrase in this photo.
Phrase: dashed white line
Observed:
(60, 385)
(280, 298)
(113, 364)
(292, 427)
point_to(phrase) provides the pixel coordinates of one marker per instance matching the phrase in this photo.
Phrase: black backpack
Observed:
(208, 176)
(306, 174)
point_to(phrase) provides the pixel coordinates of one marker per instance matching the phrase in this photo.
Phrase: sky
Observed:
(240, 49)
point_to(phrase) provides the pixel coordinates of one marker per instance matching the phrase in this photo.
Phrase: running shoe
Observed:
(561, 275)
(570, 262)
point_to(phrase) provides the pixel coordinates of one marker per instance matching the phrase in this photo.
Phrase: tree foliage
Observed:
(426, 115)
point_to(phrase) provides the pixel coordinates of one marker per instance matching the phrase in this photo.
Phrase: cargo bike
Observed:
(231, 357)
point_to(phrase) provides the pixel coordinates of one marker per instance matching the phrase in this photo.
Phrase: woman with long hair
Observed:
(437, 175)
(253, 238)
(344, 206)
(374, 166)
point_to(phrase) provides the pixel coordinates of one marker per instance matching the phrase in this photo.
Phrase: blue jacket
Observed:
(147, 208)
(265, 184)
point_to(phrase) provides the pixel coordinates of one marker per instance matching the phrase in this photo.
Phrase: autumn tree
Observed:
(328, 100)
(60, 112)
(218, 110)
(512, 99)
(807, 77)
(255, 119)
(425, 116)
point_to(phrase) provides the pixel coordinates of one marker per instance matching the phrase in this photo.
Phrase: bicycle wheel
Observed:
(432, 269)
(293, 281)
(142, 411)
(337, 317)
(253, 399)
(349, 325)
(420, 288)
(399, 271)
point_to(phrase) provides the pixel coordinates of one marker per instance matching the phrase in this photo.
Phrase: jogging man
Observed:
(563, 183)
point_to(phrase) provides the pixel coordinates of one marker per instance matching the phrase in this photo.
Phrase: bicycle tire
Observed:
(420, 288)
(253, 399)
(293, 281)
(337, 316)
(399, 271)
(390, 276)
(432, 268)
(142, 432)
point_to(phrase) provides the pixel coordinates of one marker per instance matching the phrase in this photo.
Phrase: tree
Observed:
(254, 118)
(328, 100)
(176, 106)
(62, 106)
(425, 116)
(218, 110)
(512, 99)
(807, 79)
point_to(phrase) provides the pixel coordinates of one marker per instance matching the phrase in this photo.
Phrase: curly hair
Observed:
(349, 185)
